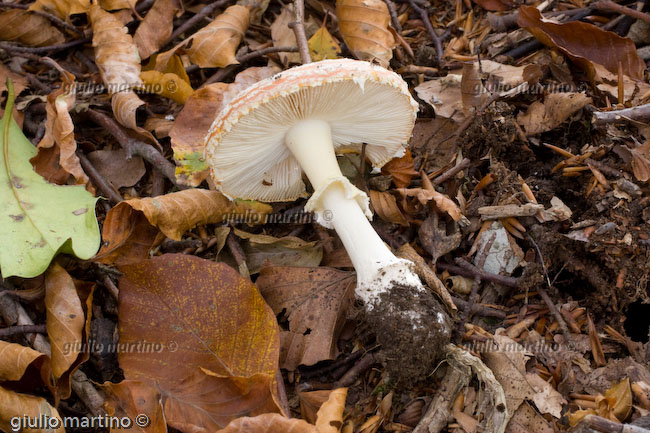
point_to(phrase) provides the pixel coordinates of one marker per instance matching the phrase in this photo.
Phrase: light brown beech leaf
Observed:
(125, 104)
(29, 29)
(641, 162)
(193, 122)
(130, 228)
(14, 405)
(556, 108)
(59, 130)
(364, 26)
(269, 423)
(495, 5)
(315, 300)
(156, 27)
(61, 8)
(113, 5)
(584, 43)
(168, 85)
(217, 340)
(16, 359)
(401, 169)
(385, 206)
(132, 398)
(283, 36)
(444, 203)
(329, 418)
(214, 45)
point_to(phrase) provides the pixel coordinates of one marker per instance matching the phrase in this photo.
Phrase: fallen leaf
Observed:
(401, 169)
(385, 205)
(615, 405)
(46, 163)
(218, 340)
(168, 85)
(323, 46)
(39, 219)
(527, 420)
(495, 5)
(112, 5)
(641, 161)
(156, 27)
(472, 91)
(314, 300)
(61, 8)
(125, 105)
(19, 81)
(29, 29)
(159, 126)
(310, 403)
(329, 418)
(269, 423)
(257, 8)
(132, 398)
(20, 406)
(193, 122)
(114, 166)
(17, 359)
(364, 26)
(556, 108)
(444, 95)
(546, 398)
(283, 36)
(444, 203)
(584, 43)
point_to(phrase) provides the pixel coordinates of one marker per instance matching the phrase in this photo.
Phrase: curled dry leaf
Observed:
(14, 405)
(269, 423)
(444, 203)
(315, 300)
(641, 162)
(193, 122)
(156, 27)
(495, 5)
(16, 360)
(125, 105)
(310, 403)
(168, 85)
(615, 405)
(401, 169)
(385, 206)
(329, 418)
(132, 398)
(526, 419)
(29, 29)
(61, 8)
(364, 26)
(584, 43)
(214, 45)
(59, 130)
(556, 108)
(129, 229)
(219, 340)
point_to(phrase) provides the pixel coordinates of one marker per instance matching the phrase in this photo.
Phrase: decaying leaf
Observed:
(269, 423)
(444, 203)
(495, 5)
(641, 162)
(29, 29)
(217, 341)
(443, 94)
(14, 405)
(168, 85)
(556, 108)
(282, 35)
(114, 166)
(17, 359)
(156, 27)
(323, 46)
(472, 91)
(315, 300)
(125, 105)
(615, 405)
(132, 398)
(526, 419)
(61, 8)
(130, 227)
(59, 129)
(329, 418)
(401, 169)
(364, 26)
(310, 403)
(584, 43)
(38, 219)
(385, 205)
(193, 122)
(546, 398)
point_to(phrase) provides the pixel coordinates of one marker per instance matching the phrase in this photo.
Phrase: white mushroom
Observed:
(295, 122)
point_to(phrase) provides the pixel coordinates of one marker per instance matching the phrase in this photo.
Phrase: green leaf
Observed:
(38, 219)
(323, 46)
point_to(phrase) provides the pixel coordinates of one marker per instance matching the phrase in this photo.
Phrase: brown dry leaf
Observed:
(310, 403)
(29, 29)
(14, 405)
(329, 418)
(641, 162)
(443, 203)
(156, 27)
(219, 341)
(168, 85)
(159, 126)
(193, 122)
(214, 45)
(114, 166)
(125, 105)
(283, 36)
(65, 319)
(269, 423)
(132, 398)
(61, 8)
(615, 405)
(495, 5)
(385, 206)
(594, 341)
(401, 169)
(264, 250)
(19, 81)
(364, 26)
(315, 300)
(584, 43)
(546, 398)
(46, 163)
(527, 420)
(556, 108)
(112, 5)
(59, 130)
(129, 231)
(472, 91)
(322, 45)
(16, 360)
(444, 95)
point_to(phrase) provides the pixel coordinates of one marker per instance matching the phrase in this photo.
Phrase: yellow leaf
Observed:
(168, 85)
(323, 46)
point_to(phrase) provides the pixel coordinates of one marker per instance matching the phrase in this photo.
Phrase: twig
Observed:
(604, 168)
(451, 172)
(98, 180)
(195, 19)
(238, 254)
(135, 147)
(604, 425)
(480, 309)
(333, 366)
(640, 113)
(424, 16)
(393, 16)
(610, 6)
(48, 49)
(351, 376)
(502, 23)
(470, 272)
(224, 72)
(55, 20)
(299, 29)
(22, 329)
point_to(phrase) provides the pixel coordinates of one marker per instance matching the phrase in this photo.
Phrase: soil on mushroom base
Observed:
(409, 353)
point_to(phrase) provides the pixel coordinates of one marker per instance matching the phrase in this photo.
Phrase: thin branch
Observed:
(98, 180)
(610, 6)
(637, 114)
(393, 16)
(48, 49)
(195, 19)
(424, 16)
(451, 172)
(55, 20)
(504, 280)
(22, 329)
(299, 30)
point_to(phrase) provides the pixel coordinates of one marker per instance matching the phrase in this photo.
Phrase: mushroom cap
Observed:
(362, 102)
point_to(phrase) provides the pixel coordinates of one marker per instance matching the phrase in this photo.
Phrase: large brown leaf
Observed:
(14, 405)
(156, 27)
(17, 359)
(584, 43)
(61, 8)
(401, 169)
(215, 342)
(27, 28)
(364, 26)
(269, 423)
(315, 300)
(132, 398)
(556, 108)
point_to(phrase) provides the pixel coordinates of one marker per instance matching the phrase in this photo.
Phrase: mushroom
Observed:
(295, 122)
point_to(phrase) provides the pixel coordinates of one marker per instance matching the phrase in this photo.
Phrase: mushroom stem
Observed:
(338, 204)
